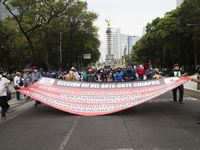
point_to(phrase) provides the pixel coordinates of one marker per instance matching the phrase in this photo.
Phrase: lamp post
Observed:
(61, 33)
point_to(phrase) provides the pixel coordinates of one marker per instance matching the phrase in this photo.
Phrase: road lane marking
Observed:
(66, 139)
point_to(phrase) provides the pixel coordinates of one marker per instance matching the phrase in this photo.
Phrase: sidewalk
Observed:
(190, 88)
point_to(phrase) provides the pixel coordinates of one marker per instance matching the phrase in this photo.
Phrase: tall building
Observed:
(124, 44)
(131, 41)
(179, 2)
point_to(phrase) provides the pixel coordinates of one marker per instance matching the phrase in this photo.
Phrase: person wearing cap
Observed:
(42, 73)
(4, 83)
(149, 72)
(129, 75)
(17, 80)
(90, 76)
(176, 72)
(26, 82)
(72, 74)
(141, 72)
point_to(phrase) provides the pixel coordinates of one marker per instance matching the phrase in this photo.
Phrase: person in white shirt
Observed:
(3, 95)
(16, 84)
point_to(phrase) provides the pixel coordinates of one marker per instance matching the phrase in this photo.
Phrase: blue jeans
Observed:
(181, 90)
(141, 77)
(24, 94)
(18, 93)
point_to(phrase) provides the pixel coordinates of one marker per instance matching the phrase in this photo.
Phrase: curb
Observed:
(193, 93)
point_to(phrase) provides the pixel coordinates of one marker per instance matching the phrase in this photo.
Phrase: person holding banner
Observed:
(129, 75)
(90, 76)
(149, 72)
(4, 83)
(176, 72)
(118, 75)
(72, 74)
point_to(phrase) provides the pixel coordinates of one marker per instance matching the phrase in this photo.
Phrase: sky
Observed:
(130, 15)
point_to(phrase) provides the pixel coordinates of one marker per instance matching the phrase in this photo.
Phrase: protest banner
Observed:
(98, 98)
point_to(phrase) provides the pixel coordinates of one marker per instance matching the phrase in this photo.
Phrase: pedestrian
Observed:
(98, 75)
(149, 72)
(85, 75)
(17, 84)
(128, 75)
(26, 82)
(198, 81)
(72, 74)
(34, 76)
(104, 75)
(4, 83)
(118, 75)
(42, 73)
(176, 72)
(112, 75)
(90, 76)
(141, 72)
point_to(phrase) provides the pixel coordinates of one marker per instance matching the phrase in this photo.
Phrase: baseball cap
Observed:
(18, 73)
(34, 67)
(90, 70)
(73, 68)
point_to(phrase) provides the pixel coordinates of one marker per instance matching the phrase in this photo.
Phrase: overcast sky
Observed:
(130, 15)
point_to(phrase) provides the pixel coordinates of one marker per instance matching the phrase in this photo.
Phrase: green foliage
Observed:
(36, 29)
(169, 40)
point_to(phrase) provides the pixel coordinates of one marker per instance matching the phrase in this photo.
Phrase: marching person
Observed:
(176, 72)
(118, 75)
(149, 72)
(90, 76)
(34, 76)
(72, 74)
(17, 82)
(4, 83)
(141, 72)
(26, 82)
(198, 81)
(129, 75)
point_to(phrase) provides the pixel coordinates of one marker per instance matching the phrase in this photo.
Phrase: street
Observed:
(157, 124)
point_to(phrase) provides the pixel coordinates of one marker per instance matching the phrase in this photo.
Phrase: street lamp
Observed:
(61, 33)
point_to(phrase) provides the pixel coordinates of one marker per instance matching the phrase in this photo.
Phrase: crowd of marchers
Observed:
(98, 75)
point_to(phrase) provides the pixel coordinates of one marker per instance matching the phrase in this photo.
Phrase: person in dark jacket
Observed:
(90, 76)
(177, 73)
(104, 75)
(129, 75)
(98, 75)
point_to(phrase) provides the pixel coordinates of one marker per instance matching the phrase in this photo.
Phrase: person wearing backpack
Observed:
(17, 84)
(90, 76)
(72, 74)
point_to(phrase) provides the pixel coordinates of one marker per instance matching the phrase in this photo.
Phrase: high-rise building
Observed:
(179, 2)
(131, 41)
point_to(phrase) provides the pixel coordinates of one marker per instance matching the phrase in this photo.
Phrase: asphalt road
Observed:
(157, 124)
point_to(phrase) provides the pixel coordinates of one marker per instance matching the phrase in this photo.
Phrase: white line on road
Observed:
(66, 139)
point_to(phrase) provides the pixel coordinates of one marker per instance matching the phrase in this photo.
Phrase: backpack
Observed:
(71, 76)
(90, 78)
(21, 83)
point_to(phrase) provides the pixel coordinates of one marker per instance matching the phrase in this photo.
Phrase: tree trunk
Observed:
(46, 53)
